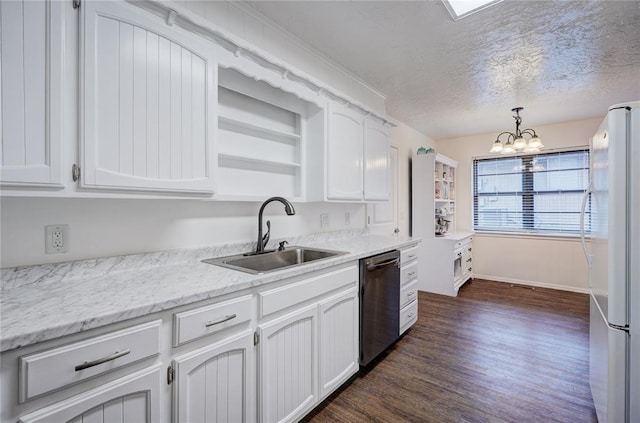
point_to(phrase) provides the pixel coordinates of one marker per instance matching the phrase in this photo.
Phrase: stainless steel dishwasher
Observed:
(379, 304)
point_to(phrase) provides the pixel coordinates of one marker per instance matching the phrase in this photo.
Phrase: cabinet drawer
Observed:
(408, 255)
(408, 316)
(59, 367)
(288, 295)
(193, 324)
(464, 242)
(408, 293)
(408, 273)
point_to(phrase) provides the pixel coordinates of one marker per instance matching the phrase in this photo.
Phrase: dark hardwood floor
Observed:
(495, 353)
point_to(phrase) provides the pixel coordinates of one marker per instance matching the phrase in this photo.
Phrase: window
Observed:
(540, 193)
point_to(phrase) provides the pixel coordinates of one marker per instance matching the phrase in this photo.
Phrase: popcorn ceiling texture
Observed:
(561, 60)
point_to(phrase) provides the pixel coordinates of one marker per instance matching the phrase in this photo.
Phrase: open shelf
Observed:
(235, 125)
(228, 158)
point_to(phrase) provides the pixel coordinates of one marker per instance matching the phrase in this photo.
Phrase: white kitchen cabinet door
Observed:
(288, 366)
(376, 162)
(339, 317)
(345, 154)
(31, 93)
(149, 96)
(131, 399)
(216, 383)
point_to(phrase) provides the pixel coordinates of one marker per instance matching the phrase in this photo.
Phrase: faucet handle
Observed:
(281, 247)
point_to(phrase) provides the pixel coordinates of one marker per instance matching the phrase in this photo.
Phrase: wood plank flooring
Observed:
(495, 353)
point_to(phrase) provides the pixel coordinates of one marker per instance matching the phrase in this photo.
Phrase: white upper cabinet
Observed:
(345, 154)
(357, 156)
(376, 163)
(31, 93)
(148, 102)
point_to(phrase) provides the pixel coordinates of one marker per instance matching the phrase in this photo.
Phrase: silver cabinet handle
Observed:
(411, 273)
(111, 357)
(411, 255)
(222, 320)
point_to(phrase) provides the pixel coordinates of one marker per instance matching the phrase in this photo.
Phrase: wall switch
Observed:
(324, 220)
(347, 218)
(56, 239)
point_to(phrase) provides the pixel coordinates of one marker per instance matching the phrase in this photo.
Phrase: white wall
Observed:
(556, 262)
(107, 227)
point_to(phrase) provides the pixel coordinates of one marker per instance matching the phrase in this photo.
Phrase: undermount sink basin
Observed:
(272, 261)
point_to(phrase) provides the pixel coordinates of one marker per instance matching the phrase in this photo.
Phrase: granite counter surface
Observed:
(44, 302)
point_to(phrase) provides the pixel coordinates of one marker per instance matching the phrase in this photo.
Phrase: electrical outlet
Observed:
(56, 239)
(324, 220)
(347, 218)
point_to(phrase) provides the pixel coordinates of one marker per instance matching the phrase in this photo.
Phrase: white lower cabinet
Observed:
(338, 340)
(215, 383)
(408, 288)
(288, 365)
(132, 399)
(310, 350)
(263, 354)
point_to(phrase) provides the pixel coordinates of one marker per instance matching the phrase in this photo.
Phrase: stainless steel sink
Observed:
(272, 261)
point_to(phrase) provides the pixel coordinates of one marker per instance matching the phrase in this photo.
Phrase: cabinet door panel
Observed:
(214, 384)
(149, 102)
(345, 154)
(376, 171)
(132, 399)
(30, 93)
(339, 316)
(289, 366)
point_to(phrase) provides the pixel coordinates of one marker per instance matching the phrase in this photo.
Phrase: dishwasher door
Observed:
(379, 304)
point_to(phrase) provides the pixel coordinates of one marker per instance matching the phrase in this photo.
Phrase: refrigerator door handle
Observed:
(585, 197)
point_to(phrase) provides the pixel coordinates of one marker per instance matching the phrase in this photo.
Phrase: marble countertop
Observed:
(44, 302)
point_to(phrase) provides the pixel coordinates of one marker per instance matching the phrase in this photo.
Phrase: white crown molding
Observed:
(247, 8)
(176, 14)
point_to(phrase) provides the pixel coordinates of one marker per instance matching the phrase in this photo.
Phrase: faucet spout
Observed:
(288, 208)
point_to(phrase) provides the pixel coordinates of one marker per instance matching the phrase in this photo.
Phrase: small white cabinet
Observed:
(339, 337)
(31, 35)
(345, 154)
(148, 102)
(216, 383)
(376, 161)
(288, 365)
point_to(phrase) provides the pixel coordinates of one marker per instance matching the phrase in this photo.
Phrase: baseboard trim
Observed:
(533, 283)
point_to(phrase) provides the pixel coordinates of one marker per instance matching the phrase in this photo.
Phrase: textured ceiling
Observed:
(560, 60)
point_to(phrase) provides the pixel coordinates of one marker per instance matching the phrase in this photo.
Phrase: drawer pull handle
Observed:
(222, 320)
(411, 294)
(411, 255)
(411, 273)
(111, 357)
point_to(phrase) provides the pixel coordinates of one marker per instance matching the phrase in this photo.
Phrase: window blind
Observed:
(539, 193)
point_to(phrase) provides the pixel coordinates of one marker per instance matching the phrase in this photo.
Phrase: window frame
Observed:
(528, 195)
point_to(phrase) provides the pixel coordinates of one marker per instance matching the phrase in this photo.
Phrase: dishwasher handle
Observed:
(384, 263)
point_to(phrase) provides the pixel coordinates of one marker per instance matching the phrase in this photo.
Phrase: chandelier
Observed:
(516, 142)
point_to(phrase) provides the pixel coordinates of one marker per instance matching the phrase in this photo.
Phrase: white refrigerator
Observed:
(613, 257)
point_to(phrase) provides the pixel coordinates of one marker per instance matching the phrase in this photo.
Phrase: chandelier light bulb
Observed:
(535, 142)
(519, 143)
(497, 147)
(508, 148)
